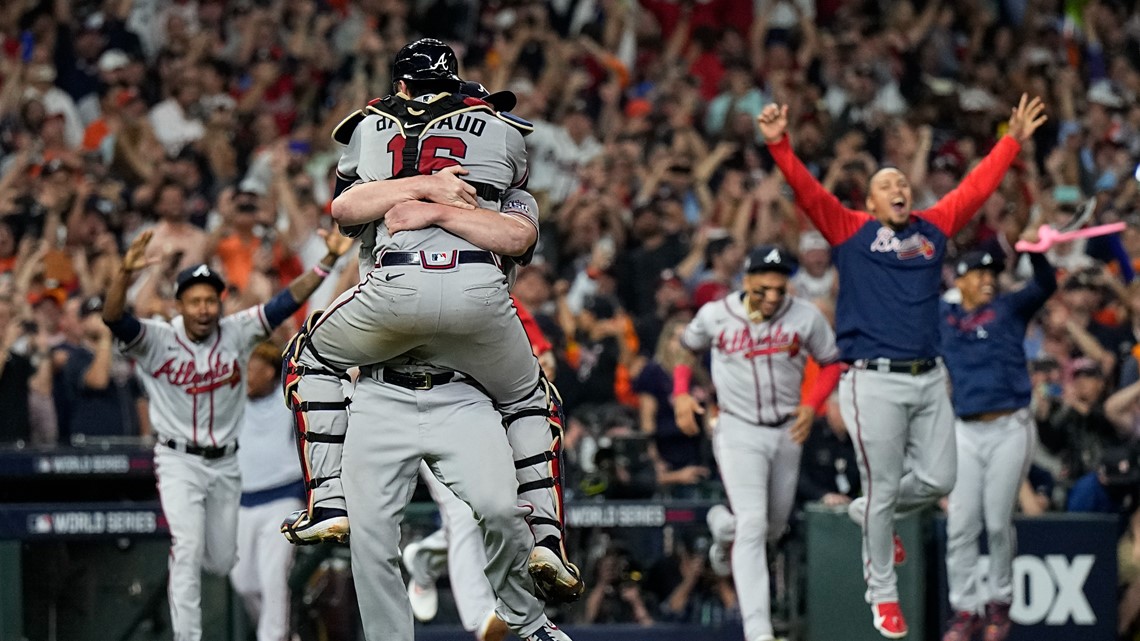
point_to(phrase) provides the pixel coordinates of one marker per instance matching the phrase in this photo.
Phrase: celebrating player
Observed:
(982, 343)
(761, 339)
(434, 312)
(192, 369)
(890, 261)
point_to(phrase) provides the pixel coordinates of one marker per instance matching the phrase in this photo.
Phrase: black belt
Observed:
(485, 191)
(914, 368)
(200, 450)
(436, 260)
(416, 380)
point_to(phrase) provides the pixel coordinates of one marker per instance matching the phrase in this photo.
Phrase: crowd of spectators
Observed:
(208, 121)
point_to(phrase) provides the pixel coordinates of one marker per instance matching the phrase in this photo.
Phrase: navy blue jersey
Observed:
(889, 281)
(984, 348)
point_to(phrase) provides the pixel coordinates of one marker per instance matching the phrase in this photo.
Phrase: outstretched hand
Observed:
(773, 122)
(135, 258)
(1026, 117)
(337, 244)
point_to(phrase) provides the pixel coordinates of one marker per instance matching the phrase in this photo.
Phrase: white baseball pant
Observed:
(261, 575)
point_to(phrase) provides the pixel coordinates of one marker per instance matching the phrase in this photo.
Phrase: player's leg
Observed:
(244, 576)
(486, 340)
(963, 527)
(744, 454)
(873, 405)
(468, 452)
(274, 562)
(1014, 439)
(182, 488)
(466, 556)
(381, 456)
(782, 482)
(931, 453)
(314, 375)
(223, 501)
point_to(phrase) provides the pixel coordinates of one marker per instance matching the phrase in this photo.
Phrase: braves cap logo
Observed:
(202, 270)
(773, 257)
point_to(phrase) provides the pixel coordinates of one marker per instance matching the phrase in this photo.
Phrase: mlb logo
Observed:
(438, 259)
(39, 524)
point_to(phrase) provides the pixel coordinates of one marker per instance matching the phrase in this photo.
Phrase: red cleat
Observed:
(997, 622)
(889, 620)
(963, 627)
(900, 551)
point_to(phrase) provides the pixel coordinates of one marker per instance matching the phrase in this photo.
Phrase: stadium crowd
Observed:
(207, 121)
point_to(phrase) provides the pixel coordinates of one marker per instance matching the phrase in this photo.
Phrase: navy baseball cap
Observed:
(500, 100)
(198, 274)
(978, 259)
(769, 258)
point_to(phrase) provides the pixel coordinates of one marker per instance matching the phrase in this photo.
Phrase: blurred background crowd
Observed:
(208, 121)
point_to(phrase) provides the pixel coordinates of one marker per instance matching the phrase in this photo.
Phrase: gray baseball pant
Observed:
(993, 458)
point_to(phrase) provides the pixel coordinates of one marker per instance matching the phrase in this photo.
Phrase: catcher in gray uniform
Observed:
(437, 295)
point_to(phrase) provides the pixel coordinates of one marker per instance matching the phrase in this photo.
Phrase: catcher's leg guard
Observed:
(315, 394)
(535, 435)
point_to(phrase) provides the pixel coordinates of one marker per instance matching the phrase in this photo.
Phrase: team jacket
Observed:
(889, 282)
(984, 349)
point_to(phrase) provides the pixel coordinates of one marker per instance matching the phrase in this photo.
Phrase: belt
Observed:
(200, 450)
(436, 259)
(981, 417)
(486, 191)
(914, 368)
(416, 380)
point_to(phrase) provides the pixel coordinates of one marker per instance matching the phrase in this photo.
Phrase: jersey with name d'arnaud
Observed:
(197, 390)
(758, 368)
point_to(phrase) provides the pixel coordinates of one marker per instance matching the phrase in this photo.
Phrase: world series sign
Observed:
(1064, 577)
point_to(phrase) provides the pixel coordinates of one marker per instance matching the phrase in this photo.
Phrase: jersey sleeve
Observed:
(516, 157)
(250, 326)
(821, 338)
(348, 165)
(521, 205)
(1026, 301)
(834, 221)
(957, 207)
(153, 338)
(699, 332)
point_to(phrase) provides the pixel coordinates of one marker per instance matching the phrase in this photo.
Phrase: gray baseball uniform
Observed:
(456, 429)
(197, 398)
(757, 369)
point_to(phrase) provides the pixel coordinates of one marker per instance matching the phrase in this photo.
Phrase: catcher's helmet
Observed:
(425, 59)
(500, 100)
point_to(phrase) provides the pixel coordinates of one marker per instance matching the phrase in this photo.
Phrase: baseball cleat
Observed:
(888, 620)
(493, 629)
(326, 524)
(720, 559)
(556, 580)
(962, 627)
(900, 551)
(997, 622)
(548, 632)
(424, 598)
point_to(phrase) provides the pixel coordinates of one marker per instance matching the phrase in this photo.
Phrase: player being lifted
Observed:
(193, 370)
(889, 260)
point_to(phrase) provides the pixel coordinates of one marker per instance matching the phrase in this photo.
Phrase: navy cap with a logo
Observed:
(978, 260)
(769, 258)
(198, 274)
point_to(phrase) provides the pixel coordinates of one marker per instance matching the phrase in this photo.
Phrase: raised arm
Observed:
(834, 221)
(960, 205)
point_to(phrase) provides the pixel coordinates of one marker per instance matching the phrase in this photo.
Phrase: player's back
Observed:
(491, 150)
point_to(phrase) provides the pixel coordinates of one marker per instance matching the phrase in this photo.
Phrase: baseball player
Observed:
(983, 345)
(760, 340)
(434, 297)
(894, 395)
(268, 489)
(192, 370)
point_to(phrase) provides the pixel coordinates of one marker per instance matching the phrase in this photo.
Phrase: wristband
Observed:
(682, 374)
(320, 270)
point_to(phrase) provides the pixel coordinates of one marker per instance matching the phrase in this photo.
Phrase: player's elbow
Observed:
(344, 210)
(517, 239)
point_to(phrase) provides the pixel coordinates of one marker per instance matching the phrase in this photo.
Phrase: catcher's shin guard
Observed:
(315, 395)
(535, 435)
